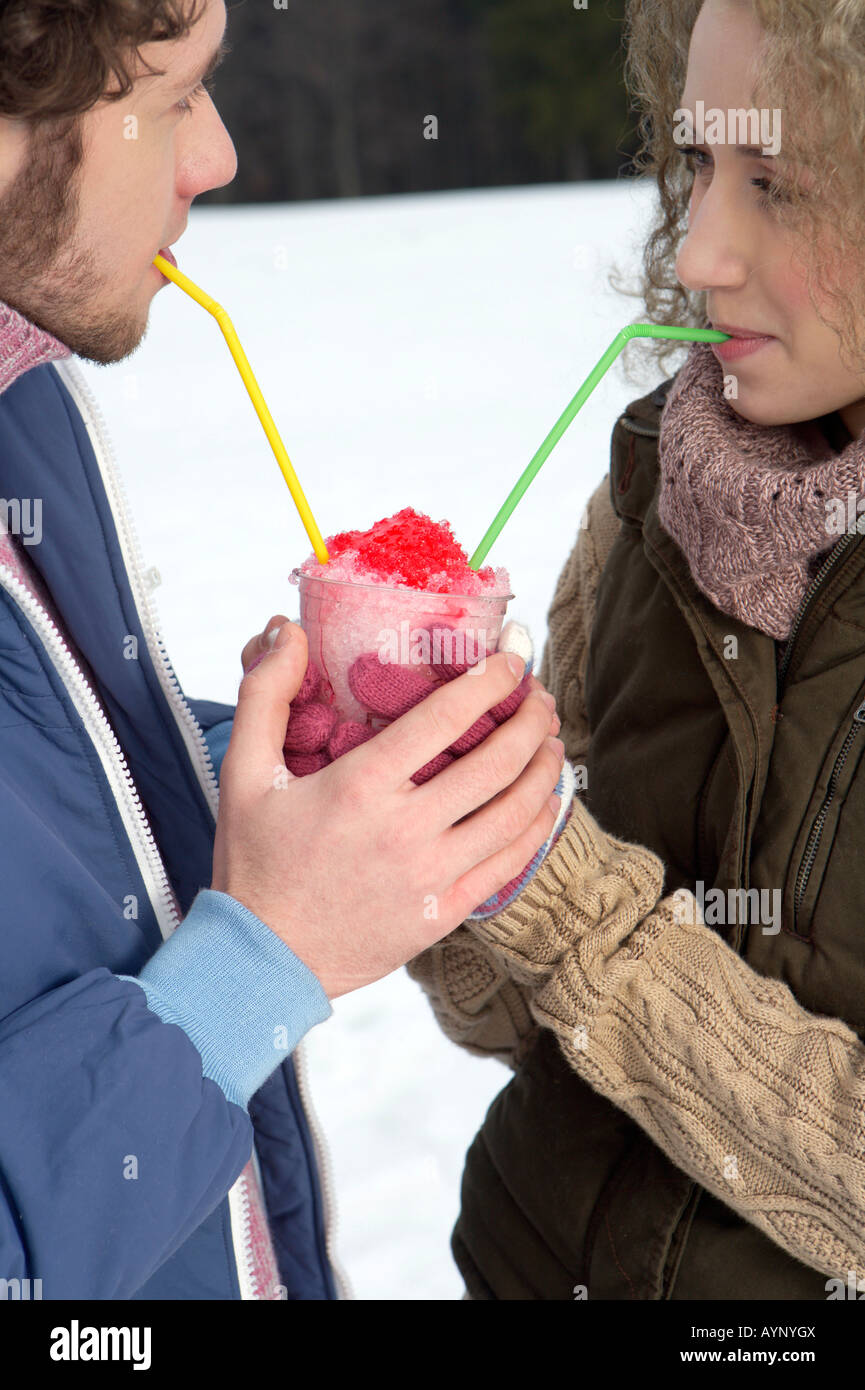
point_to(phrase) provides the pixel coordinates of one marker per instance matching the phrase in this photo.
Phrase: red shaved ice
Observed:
(407, 550)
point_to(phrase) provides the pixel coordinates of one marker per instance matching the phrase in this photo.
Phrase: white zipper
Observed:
(322, 1155)
(238, 1208)
(240, 1202)
(110, 753)
(73, 379)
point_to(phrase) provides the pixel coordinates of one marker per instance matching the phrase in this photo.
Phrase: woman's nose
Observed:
(718, 250)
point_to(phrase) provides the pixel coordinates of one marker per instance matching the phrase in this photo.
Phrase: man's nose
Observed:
(718, 250)
(209, 159)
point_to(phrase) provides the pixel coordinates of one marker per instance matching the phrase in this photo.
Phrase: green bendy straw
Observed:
(633, 330)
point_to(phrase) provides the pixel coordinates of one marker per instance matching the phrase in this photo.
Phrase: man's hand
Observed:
(355, 867)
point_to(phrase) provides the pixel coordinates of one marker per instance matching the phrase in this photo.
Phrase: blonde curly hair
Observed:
(812, 69)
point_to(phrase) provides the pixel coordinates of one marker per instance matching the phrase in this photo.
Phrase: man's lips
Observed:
(168, 254)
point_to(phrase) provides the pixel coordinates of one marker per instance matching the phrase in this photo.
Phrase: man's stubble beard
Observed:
(42, 274)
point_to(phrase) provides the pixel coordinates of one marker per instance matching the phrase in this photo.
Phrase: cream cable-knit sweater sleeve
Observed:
(758, 1100)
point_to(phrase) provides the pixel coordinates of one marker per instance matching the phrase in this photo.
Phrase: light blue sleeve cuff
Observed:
(240, 994)
(216, 739)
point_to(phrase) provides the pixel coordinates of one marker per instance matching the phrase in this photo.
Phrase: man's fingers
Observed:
(258, 645)
(492, 828)
(489, 877)
(488, 769)
(535, 684)
(263, 705)
(414, 739)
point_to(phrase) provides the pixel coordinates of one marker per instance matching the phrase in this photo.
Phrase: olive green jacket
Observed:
(680, 990)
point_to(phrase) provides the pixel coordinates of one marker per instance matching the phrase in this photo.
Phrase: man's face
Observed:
(736, 251)
(76, 255)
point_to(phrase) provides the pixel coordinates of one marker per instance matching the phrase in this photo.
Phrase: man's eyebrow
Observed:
(186, 84)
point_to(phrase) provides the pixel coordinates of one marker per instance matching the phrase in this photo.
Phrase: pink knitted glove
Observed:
(388, 691)
(316, 737)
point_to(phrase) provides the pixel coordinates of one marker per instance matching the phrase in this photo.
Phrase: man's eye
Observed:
(186, 103)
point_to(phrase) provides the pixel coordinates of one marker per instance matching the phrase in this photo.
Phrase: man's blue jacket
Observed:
(140, 1060)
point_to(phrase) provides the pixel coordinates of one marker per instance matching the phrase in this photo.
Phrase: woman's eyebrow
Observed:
(751, 151)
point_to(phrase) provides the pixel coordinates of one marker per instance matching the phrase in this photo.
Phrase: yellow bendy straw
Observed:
(241, 361)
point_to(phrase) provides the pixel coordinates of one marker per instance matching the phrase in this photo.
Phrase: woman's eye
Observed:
(770, 189)
(692, 156)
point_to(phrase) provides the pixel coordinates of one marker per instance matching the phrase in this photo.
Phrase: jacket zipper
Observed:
(816, 833)
(343, 1285)
(110, 753)
(196, 744)
(240, 1208)
(645, 430)
(835, 554)
(119, 503)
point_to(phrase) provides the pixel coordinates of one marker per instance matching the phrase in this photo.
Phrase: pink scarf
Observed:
(23, 345)
(751, 506)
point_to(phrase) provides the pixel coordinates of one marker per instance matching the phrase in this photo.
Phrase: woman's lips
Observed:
(734, 348)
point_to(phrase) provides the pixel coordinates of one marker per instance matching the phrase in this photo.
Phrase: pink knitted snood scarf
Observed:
(747, 504)
(23, 345)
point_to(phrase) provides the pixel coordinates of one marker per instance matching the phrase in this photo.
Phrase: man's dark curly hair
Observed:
(58, 57)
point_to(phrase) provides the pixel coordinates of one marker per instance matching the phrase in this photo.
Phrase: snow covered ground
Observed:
(413, 351)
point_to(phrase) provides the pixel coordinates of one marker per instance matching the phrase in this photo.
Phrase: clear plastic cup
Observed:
(343, 621)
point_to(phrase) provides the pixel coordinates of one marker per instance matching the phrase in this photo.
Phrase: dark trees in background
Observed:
(338, 98)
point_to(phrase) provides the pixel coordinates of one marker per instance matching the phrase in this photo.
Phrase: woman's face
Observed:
(736, 251)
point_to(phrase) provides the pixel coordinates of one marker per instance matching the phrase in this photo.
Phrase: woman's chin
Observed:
(763, 407)
(758, 412)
